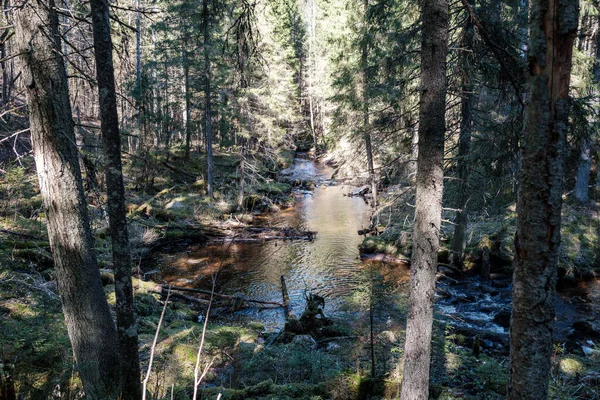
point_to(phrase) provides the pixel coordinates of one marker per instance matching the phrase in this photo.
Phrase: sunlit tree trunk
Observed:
(428, 213)
(552, 30)
(113, 171)
(89, 323)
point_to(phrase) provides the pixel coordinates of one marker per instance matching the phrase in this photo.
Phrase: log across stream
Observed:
(314, 245)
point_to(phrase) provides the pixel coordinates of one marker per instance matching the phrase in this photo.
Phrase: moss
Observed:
(274, 188)
(33, 335)
(268, 389)
(571, 366)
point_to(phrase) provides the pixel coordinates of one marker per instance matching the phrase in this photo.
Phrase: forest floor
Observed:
(246, 361)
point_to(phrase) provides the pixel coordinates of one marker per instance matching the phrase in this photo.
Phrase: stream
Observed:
(330, 266)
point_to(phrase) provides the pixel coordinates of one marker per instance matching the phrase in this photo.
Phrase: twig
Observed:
(489, 42)
(23, 235)
(198, 379)
(162, 314)
(224, 296)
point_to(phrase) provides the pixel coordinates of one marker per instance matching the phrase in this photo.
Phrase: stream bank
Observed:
(246, 364)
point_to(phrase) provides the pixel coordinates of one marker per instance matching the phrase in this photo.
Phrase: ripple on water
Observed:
(329, 265)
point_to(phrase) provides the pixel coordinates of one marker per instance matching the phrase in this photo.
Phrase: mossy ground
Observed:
(36, 351)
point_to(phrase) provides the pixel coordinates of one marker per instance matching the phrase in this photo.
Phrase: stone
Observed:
(502, 318)
(305, 340)
(332, 346)
(587, 351)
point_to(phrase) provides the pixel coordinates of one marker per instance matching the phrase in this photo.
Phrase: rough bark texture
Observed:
(552, 30)
(90, 326)
(426, 236)
(464, 146)
(109, 122)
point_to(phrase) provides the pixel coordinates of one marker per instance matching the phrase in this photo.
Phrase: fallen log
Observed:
(21, 235)
(386, 258)
(187, 298)
(260, 234)
(223, 296)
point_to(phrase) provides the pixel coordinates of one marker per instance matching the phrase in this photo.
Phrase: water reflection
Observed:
(328, 265)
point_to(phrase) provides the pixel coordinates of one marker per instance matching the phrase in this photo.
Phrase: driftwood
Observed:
(223, 296)
(286, 299)
(187, 298)
(260, 234)
(360, 191)
(386, 258)
(179, 171)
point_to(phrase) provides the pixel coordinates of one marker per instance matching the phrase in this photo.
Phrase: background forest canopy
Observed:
(289, 73)
(215, 97)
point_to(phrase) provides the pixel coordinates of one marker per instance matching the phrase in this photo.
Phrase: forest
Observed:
(300, 199)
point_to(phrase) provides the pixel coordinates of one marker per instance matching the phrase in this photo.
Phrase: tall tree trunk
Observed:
(311, 70)
(138, 76)
(365, 100)
(552, 30)
(109, 123)
(428, 213)
(6, 79)
(587, 42)
(90, 326)
(241, 180)
(582, 183)
(464, 146)
(207, 94)
(188, 105)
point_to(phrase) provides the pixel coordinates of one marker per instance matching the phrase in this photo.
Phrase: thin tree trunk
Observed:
(207, 94)
(311, 69)
(552, 30)
(582, 184)
(90, 326)
(188, 105)
(109, 122)
(464, 147)
(6, 78)
(241, 181)
(428, 213)
(138, 73)
(365, 100)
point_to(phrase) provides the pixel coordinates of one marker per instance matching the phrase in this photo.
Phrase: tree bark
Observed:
(582, 184)
(109, 123)
(207, 94)
(464, 146)
(188, 103)
(90, 326)
(552, 30)
(428, 213)
(365, 101)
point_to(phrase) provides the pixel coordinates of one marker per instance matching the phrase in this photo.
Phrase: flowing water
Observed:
(329, 265)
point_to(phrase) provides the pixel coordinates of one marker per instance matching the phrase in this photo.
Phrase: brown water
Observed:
(329, 265)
